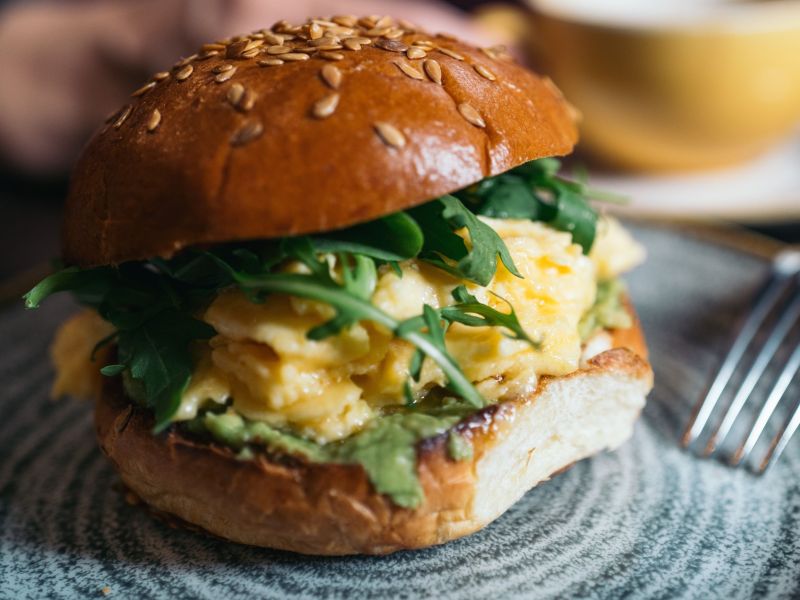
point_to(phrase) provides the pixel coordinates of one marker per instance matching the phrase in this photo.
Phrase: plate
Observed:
(646, 521)
(763, 190)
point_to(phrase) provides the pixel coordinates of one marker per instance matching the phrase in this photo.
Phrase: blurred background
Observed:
(691, 108)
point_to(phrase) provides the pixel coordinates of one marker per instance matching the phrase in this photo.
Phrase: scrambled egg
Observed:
(327, 390)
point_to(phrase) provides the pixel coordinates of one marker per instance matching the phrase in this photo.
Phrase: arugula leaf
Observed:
(574, 215)
(154, 326)
(440, 220)
(469, 311)
(391, 238)
(88, 284)
(112, 370)
(508, 198)
(535, 191)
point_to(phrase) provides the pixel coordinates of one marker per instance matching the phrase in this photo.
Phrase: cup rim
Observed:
(744, 17)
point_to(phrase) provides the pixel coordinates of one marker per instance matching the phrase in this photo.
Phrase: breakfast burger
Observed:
(338, 298)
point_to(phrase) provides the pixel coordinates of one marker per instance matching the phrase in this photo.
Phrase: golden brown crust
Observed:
(301, 174)
(327, 509)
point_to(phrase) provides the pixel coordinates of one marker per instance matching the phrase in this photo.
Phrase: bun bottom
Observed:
(331, 509)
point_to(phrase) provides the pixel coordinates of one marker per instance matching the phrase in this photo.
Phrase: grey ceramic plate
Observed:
(648, 521)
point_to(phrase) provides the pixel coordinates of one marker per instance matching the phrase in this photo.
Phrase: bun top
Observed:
(301, 129)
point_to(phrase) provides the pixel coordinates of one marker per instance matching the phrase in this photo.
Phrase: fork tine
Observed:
(778, 283)
(781, 440)
(775, 395)
(769, 350)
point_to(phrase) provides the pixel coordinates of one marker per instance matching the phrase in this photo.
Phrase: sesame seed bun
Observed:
(273, 134)
(332, 509)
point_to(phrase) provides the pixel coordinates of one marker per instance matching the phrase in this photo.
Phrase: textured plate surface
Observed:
(646, 521)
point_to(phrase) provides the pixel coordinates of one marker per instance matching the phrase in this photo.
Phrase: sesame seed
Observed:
(393, 34)
(391, 45)
(222, 68)
(500, 52)
(471, 115)
(273, 39)
(326, 106)
(390, 135)
(225, 75)
(451, 53)
(364, 41)
(324, 41)
(242, 47)
(323, 22)
(235, 93)
(345, 20)
(329, 47)
(331, 55)
(294, 56)
(352, 44)
(433, 70)
(185, 61)
(340, 31)
(184, 73)
(123, 116)
(376, 31)
(154, 121)
(409, 70)
(250, 131)
(415, 52)
(252, 53)
(144, 89)
(314, 31)
(484, 72)
(269, 62)
(331, 75)
(247, 101)
(275, 50)
(160, 76)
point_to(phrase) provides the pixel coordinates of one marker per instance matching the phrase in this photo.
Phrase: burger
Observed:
(338, 298)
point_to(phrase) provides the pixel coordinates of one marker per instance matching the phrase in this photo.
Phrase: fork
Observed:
(781, 295)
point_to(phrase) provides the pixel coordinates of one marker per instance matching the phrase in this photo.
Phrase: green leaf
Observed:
(91, 284)
(511, 198)
(535, 191)
(112, 370)
(391, 238)
(575, 216)
(469, 311)
(158, 354)
(440, 220)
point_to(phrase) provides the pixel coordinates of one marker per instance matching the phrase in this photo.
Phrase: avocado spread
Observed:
(386, 448)
(608, 310)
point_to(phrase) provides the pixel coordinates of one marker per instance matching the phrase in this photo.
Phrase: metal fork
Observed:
(781, 295)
